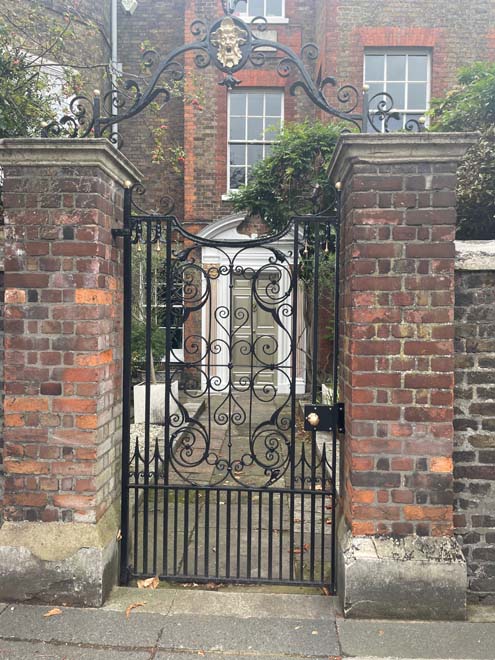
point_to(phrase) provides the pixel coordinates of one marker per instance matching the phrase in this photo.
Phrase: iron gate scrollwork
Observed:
(228, 486)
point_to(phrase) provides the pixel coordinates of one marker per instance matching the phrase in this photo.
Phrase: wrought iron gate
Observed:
(234, 483)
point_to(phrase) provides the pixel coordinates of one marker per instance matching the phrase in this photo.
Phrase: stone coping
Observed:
(66, 152)
(394, 148)
(475, 255)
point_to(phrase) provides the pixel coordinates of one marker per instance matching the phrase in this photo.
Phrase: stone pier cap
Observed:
(390, 148)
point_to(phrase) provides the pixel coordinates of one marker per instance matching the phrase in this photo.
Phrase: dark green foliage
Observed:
(138, 343)
(286, 181)
(471, 107)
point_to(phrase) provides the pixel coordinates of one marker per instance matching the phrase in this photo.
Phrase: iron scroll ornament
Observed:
(229, 44)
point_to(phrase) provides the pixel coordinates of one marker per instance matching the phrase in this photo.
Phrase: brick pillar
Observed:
(397, 556)
(63, 363)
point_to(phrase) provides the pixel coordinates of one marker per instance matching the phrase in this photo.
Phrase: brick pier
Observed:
(63, 368)
(397, 554)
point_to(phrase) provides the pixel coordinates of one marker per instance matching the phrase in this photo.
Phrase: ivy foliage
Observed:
(470, 106)
(293, 179)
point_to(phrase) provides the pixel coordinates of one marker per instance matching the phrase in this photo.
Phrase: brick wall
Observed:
(158, 25)
(397, 373)
(63, 347)
(474, 487)
(347, 27)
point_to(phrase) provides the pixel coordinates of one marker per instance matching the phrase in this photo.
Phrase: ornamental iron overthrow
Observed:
(230, 44)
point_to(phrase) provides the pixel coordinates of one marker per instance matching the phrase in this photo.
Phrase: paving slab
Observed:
(81, 626)
(254, 605)
(236, 635)
(414, 640)
(229, 656)
(158, 601)
(45, 651)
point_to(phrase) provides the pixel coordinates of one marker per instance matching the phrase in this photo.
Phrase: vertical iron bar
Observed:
(168, 348)
(260, 537)
(166, 504)
(176, 512)
(196, 530)
(227, 534)
(207, 532)
(336, 348)
(270, 534)
(126, 391)
(185, 561)
(136, 507)
(239, 510)
(366, 109)
(281, 536)
(316, 318)
(217, 536)
(147, 404)
(249, 544)
(301, 542)
(295, 285)
(155, 509)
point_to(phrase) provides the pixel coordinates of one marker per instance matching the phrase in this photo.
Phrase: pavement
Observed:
(186, 623)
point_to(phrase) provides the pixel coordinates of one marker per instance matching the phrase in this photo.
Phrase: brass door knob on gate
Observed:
(313, 419)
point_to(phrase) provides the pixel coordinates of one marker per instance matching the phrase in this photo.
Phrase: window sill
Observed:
(270, 20)
(227, 197)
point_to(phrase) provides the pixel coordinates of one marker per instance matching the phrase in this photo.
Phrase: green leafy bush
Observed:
(470, 106)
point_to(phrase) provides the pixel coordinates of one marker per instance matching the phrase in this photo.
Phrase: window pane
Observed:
(237, 104)
(274, 105)
(396, 67)
(417, 96)
(237, 177)
(237, 128)
(176, 338)
(397, 92)
(237, 154)
(256, 8)
(272, 127)
(255, 105)
(418, 67)
(255, 129)
(241, 7)
(374, 65)
(394, 124)
(274, 7)
(374, 89)
(255, 153)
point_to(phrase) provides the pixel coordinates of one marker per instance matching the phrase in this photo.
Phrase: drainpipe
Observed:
(115, 55)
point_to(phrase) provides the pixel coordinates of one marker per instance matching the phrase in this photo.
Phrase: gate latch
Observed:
(324, 418)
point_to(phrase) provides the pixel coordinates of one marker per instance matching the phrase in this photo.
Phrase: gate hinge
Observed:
(324, 418)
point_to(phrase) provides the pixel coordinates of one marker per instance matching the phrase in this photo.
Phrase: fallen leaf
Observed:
(212, 585)
(201, 653)
(314, 632)
(328, 521)
(132, 607)
(326, 591)
(53, 612)
(381, 632)
(149, 583)
(119, 535)
(318, 487)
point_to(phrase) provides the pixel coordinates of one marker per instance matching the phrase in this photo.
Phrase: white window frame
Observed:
(246, 16)
(407, 52)
(264, 141)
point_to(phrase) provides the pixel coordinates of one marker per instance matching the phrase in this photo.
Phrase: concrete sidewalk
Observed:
(182, 624)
